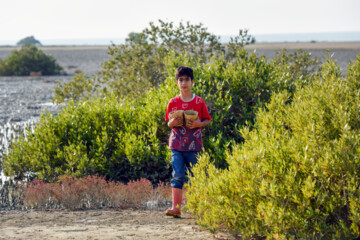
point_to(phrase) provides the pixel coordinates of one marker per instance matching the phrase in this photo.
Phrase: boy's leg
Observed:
(177, 182)
(178, 165)
(190, 160)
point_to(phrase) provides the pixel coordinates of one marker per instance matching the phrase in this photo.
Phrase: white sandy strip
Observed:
(306, 45)
(272, 45)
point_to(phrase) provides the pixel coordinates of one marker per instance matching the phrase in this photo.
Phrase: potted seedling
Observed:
(190, 115)
(178, 113)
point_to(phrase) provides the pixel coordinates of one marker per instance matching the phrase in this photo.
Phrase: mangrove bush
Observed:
(26, 60)
(296, 176)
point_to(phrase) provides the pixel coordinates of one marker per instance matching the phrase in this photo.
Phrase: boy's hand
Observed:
(174, 122)
(194, 123)
(197, 123)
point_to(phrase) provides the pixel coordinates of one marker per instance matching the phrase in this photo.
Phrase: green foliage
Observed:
(81, 87)
(139, 64)
(116, 139)
(300, 66)
(127, 139)
(28, 41)
(296, 176)
(28, 59)
(234, 91)
(237, 43)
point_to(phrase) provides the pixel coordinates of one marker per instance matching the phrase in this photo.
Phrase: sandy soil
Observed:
(100, 224)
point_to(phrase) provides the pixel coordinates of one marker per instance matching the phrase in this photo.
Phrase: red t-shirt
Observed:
(183, 138)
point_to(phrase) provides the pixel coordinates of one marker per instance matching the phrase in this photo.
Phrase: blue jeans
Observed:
(180, 161)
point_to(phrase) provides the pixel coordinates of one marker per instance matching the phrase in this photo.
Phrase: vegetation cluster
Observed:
(29, 59)
(281, 154)
(138, 65)
(30, 40)
(296, 176)
(125, 139)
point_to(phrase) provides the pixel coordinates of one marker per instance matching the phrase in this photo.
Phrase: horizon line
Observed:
(260, 38)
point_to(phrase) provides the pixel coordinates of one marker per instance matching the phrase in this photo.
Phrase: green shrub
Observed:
(26, 60)
(82, 87)
(119, 140)
(234, 91)
(299, 67)
(140, 63)
(296, 176)
(28, 41)
(122, 140)
(127, 139)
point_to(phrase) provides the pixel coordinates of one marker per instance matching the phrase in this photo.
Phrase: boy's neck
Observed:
(186, 96)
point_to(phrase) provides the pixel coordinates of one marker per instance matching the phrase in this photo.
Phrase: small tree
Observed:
(28, 41)
(28, 59)
(139, 64)
(127, 139)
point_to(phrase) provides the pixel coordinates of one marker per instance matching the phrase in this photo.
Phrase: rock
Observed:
(36, 74)
(62, 72)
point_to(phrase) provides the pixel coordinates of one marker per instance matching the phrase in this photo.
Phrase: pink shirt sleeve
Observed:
(168, 111)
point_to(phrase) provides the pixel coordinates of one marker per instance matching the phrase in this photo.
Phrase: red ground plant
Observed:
(93, 192)
(36, 193)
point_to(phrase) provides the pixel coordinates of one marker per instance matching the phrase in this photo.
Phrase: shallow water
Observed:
(25, 97)
(22, 98)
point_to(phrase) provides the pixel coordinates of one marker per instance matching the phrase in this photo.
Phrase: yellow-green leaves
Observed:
(296, 176)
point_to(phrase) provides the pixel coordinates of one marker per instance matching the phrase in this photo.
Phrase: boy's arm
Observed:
(170, 121)
(205, 122)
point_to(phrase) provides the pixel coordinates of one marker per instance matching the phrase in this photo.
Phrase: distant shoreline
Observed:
(62, 47)
(262, 45)
(306, 45)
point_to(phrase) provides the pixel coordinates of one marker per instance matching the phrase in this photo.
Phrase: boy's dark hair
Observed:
(184, 71)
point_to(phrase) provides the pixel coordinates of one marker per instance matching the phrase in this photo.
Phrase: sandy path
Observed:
(99, 224)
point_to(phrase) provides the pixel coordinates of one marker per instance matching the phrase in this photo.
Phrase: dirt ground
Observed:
(100, 224)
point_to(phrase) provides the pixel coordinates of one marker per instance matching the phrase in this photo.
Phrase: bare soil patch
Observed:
(100, 224)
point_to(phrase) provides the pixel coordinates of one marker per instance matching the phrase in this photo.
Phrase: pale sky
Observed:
(63, 19)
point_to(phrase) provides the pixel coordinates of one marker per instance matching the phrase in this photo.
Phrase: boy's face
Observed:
(185, 83)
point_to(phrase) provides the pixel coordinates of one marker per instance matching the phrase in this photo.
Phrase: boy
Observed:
(186, 136)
